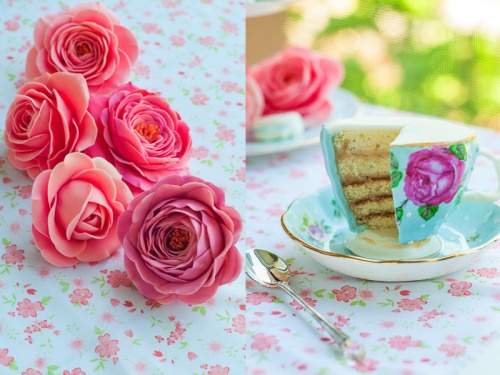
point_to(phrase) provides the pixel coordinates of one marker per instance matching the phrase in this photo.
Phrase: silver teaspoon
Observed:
(269, 270)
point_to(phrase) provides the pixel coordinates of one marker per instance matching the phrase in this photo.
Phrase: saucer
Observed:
(315, 222)
(346, 105)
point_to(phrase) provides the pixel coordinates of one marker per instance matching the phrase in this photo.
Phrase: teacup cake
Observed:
(397, 180)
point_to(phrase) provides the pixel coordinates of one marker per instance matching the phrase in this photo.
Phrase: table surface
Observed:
(193, 52)
(436, 326)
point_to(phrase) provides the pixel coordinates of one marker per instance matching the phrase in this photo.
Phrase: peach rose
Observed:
(48, 119)
(75, 209)
(298, 79)
(179, 240)
(87, 39)
(254, 102)
(141, 135)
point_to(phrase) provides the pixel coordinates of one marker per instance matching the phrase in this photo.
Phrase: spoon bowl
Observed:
(270, 271)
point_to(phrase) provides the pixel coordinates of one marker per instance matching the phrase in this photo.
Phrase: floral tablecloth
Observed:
(436, 326)
(88, 318)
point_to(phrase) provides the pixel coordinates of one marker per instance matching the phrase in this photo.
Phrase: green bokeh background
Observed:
(420, 63)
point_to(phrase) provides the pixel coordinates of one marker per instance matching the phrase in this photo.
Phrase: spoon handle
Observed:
(349, 347)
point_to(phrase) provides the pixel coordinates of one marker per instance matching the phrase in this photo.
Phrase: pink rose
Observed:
(179, 240)
(86, 39)
(298, 79)
(48, 119)
(433, 176)
(254, 102)
(141, 135)
(75, 208)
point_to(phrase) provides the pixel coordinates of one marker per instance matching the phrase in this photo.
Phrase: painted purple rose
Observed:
(433, 176)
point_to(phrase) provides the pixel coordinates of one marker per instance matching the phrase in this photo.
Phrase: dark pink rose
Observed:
(179, 240)
(433, 176)
(87, 39)
(75, 208)
(298, 79)
(254, 102)
(141, 135)
(48, 119)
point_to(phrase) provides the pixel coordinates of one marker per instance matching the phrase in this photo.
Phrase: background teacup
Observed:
(427, 165)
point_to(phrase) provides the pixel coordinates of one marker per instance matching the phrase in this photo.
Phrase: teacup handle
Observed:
(485, 196)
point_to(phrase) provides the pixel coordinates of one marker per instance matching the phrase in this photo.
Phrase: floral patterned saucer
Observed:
(315, 222)
(346, 105)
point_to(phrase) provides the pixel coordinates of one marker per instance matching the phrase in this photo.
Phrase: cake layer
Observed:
(373, 206)
(355, 169)
(378, 221)
(368, 142)
(372, 188)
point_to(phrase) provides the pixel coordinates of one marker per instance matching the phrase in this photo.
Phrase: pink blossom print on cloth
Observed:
(86, 39)
(179, 240)
(48, 119)
(141, 135)
(75, 208)
(298, 79)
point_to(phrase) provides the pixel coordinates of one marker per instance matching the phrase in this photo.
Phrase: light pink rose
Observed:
(141, 135)
(86, 39)
(75, 208)
(298, 79)
(48, 119)
(254, 102)
(179, 240)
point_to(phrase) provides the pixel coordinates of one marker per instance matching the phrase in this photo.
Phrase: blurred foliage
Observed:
(403, 54)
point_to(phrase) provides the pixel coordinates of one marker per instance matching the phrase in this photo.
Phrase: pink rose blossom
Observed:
(26, 308)
(460, 289)
(80, 296)
(218, 370)
(75, 208)
(298, 79)
(263, 342)
(12, 255)
(345, 293)
(86, 39)
(48, 119)
(179, 240)
(254, 102)
(4, 358)
(412, 304)
(107, 347)
(141, 135)
(401, 343)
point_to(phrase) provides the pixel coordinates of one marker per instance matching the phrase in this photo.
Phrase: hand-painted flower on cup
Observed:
(48, 119)
(86, 39)
(179, 240)
(75, 208)
(141, 135)
(298, 79)
(433, 176)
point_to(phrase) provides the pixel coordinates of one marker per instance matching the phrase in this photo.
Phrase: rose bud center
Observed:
(150, 132)
(82, 49)
(178, 239)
